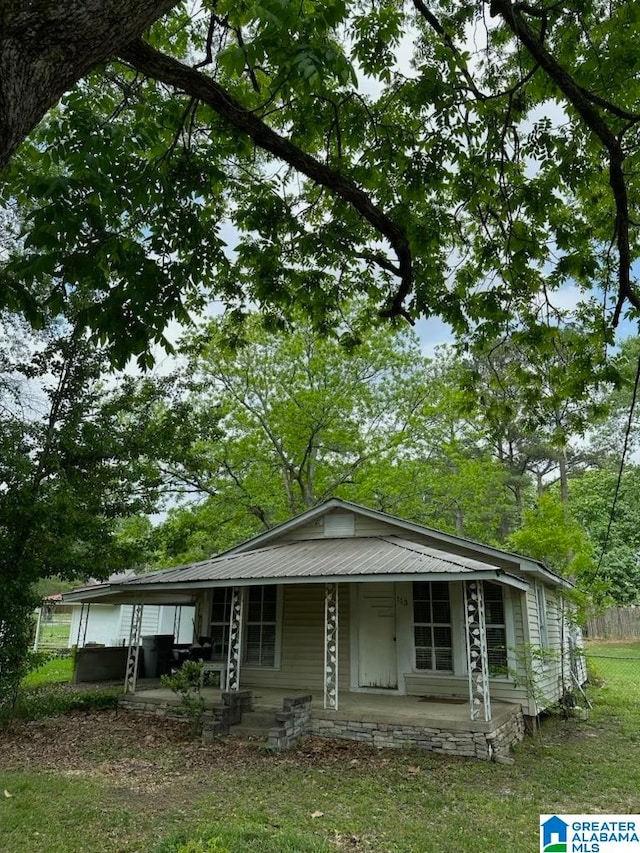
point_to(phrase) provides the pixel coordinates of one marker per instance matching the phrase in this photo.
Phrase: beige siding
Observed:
(371, 527)
(312, 530)
(547, 689)
(516, 610)
(302, 642)
(363, 527)
(456, 686)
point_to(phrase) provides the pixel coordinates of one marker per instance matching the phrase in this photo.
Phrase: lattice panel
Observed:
(235, 639)
(477, 657)
(134, 649)
(331, 646)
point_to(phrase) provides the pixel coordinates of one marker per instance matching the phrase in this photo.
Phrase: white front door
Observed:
(377, 657)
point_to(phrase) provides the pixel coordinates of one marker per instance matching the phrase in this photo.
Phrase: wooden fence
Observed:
(617, 623)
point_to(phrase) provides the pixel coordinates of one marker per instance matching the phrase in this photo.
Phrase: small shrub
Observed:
(185, 683)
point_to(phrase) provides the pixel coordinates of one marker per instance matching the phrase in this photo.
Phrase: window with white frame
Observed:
(261, 626)
(495, 621)
(542, 616)
(432, 626)
(220, 617)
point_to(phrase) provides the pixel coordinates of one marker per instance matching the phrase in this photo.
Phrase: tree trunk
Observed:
(47, 47)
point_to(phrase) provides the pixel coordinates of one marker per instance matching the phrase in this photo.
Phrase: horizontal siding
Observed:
(548, 687)
(148, 624)
(518, 624)
(549, 680)
(457, 687)
(312, 530)
(302, 644)
(371, 527)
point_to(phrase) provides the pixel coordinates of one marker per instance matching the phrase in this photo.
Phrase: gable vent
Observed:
(340, 524)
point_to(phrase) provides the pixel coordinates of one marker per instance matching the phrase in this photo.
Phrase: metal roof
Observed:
(358, 558)
(496, 556)
(373, 555)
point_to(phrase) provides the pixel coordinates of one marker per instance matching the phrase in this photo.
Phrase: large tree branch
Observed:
(152, 63)
(46, 48)
(583, 103)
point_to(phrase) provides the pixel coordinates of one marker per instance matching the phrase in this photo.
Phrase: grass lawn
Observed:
(54, 635)
(55, 671)
(108, 782)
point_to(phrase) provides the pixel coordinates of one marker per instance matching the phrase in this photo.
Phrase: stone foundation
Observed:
(488, 745)
(215, 721)
(294, 721)
(169, 709)
(487, 741)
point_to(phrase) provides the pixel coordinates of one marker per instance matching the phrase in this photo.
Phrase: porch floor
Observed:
(353, 707)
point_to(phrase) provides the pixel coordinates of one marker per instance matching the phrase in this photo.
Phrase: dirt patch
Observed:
(145, 755)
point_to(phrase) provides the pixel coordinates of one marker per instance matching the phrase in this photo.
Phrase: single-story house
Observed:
(407, 635)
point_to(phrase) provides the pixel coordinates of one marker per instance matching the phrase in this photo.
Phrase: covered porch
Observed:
(344, 640)
(409, 722)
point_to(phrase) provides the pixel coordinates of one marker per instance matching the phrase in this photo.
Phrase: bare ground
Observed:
(149, 754)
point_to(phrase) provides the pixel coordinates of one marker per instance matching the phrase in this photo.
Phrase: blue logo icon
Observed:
(554, 835)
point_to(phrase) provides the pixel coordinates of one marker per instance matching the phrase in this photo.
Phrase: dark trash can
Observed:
(158, 654)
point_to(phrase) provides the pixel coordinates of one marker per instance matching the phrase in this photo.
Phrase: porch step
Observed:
(254, 724)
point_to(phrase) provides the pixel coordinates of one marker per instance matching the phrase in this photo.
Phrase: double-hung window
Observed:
(220, 617)
(495, 620)
(432, 626)
(541, 600)
(261, 626)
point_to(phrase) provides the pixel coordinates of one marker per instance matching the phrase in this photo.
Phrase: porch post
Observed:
(36, 639)
(477, 656)
(83, 624)
(235, 638)
(177, 616)
(331, 646)
(198, 630)
(134, 649)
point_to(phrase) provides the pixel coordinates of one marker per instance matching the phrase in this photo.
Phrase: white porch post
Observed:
(134, 649)
(477, 656)
(235, 638)
(36, 639)
(331, 646)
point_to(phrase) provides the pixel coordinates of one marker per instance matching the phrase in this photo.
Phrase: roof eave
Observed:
(184, 592)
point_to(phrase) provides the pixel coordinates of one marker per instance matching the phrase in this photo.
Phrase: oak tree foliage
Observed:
(465, 160)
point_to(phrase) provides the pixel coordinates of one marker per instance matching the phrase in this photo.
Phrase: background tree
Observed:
(535, 402)
(75, 457)
(443, 191)
(306, 417)
(550, 534)
(614, 533)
